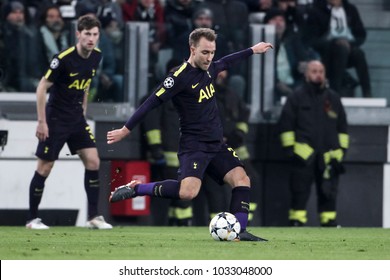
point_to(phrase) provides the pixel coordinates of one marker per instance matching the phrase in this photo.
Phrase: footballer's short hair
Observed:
(199, 33)
(87, 22)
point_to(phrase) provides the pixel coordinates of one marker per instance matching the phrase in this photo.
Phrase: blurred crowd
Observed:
(31, 32)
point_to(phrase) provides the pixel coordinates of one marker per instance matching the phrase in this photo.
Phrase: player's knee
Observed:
(44, 169)
(187, 194)
(189, 188)
(247, 181)
(243, 180)
(93, 164)
(237, 177)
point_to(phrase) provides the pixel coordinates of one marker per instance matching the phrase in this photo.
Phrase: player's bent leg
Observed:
(163, 189)
(239, 204)
(237, 177)
(189, 188)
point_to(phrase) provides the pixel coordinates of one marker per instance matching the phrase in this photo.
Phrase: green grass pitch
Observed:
(193, 243)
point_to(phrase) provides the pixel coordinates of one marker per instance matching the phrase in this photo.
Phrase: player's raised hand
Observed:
(262, 47)
(117, 135)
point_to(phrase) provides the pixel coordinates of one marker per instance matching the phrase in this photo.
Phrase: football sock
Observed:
(36, 190)
(91, 185)
(165, 189)
(239, 205)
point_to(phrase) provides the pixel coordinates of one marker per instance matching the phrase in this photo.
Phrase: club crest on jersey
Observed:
(169, 82)
(54, 63)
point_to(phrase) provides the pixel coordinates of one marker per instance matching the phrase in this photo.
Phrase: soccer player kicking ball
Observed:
(202, 148)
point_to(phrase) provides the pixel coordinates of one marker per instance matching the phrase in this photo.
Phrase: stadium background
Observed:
(364, 198)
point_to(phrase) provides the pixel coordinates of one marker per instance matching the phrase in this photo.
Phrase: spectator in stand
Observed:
(102, 8)
(336, 31)
(55, 37)
(257, 9)
(23, 51)
(202, 17)
(294, 13)
(110, 85)
(231, 20)
(150, 11)
(67, 8)
(291, 54)
(178, 17)
(32, 9)
(255, 6)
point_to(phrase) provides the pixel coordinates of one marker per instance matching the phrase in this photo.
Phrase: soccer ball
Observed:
(224, 227)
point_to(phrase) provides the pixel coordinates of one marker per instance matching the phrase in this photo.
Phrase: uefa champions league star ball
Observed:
(224, 227)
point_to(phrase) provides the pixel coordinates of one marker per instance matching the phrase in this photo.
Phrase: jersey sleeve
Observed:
(172, 84)
(227, 61)
(54, 69)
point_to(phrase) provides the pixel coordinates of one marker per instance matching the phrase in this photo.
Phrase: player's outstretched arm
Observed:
(117, 135)
(261, 47)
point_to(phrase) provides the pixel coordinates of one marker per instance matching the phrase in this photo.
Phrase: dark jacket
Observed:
(24, 58)
(319, 20)
(178, 19)
(313, 121)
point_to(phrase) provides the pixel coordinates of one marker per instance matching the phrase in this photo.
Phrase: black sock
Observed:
(36, 191)
(165, 189)
(239, 205)
(91, 184)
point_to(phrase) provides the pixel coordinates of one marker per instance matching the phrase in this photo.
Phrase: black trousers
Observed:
(338, 57)
(302, 178)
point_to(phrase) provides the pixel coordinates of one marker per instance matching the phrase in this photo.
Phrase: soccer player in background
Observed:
(202, 149)
(62, 120)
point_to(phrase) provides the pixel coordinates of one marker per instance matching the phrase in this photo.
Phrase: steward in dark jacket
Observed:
(313, 128)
